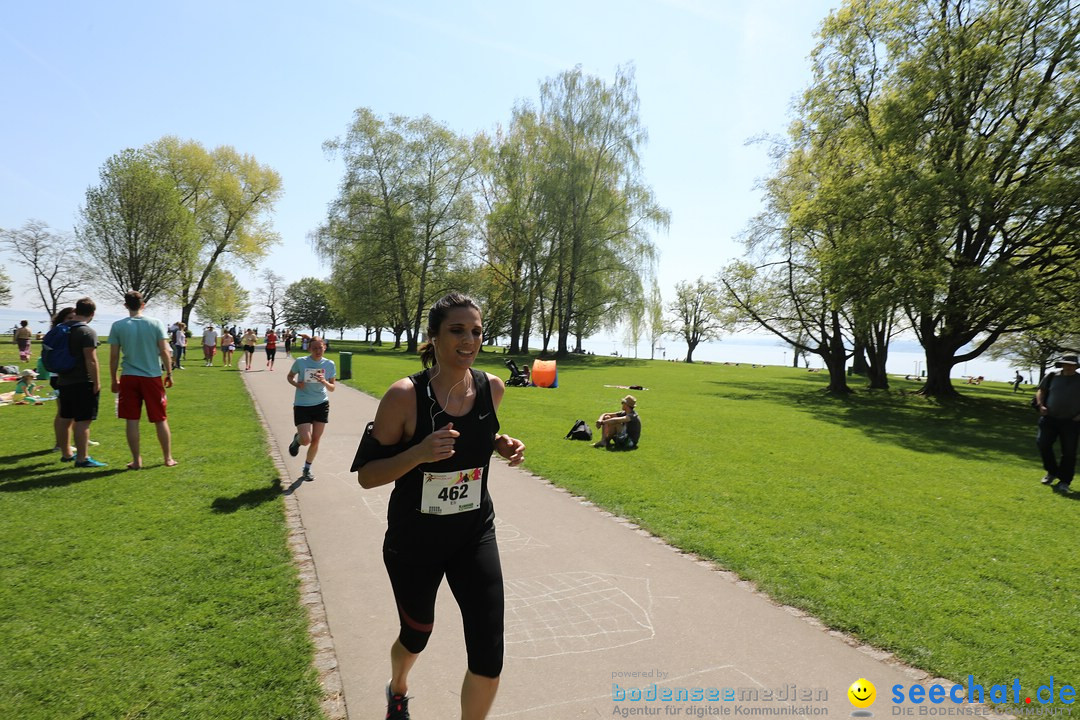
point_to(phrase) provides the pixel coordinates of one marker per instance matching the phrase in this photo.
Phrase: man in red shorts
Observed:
(144, 343)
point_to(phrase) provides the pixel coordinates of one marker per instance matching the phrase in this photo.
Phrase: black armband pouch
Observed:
(371, 449)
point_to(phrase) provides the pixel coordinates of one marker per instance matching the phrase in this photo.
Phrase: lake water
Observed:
(905, 357)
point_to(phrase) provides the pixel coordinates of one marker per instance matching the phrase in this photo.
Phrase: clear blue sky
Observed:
(83, 81)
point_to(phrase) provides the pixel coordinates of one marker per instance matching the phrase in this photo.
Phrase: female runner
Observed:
(433, 437)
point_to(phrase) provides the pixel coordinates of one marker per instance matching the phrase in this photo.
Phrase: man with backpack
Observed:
(1058, 402)
(71, 352)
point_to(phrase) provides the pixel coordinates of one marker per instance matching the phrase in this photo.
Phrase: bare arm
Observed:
(395, 422)
(165, 353)
(114, 367)
(508, 447)
(92, 368)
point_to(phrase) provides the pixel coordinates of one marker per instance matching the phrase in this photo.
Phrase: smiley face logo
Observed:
(862, 693)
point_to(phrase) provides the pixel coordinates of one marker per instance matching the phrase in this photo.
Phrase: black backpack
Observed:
(56, 353)
(580, 431)
(1049, 385)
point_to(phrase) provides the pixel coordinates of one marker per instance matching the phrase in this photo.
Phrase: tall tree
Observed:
(134, 227)
(1054, 331)
(5, 288)
(403, 209)
(442, 210)
(789, 285)
(230, 197)
(369, 225)
(596, 195)
(307, 304)
(515, 227)
(654, 310)
(967, 113)
(57, 271)
(270, 298)
(697, 314)
(223, 300)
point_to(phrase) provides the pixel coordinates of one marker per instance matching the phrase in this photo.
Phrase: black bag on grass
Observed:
(580, 431)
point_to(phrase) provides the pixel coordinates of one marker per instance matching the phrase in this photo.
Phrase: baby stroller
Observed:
(518, 378)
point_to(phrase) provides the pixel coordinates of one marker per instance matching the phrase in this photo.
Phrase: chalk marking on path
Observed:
(512, 539)
(575, 612)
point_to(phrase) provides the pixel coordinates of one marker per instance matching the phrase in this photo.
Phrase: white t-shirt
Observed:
(209, 337)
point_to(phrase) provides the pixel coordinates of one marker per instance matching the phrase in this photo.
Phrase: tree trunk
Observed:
(515, 333)
(939, 365)
(879, 379)
(837, 366)
(690, 347)
(859, 365)
(835, 357)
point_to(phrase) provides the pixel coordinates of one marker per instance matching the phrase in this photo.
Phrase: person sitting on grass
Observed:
(26, 388)
(620, 430)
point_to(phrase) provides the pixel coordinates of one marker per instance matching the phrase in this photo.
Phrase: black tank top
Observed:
(408, 528)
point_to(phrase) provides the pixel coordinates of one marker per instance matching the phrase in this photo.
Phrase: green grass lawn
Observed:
(917, 527)
(162, 593)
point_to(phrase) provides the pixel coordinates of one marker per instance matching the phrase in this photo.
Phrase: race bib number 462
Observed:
(451, 492)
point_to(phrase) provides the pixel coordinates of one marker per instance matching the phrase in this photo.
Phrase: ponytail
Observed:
(427, 354)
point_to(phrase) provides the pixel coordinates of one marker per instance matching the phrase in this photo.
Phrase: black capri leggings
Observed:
(474, 574)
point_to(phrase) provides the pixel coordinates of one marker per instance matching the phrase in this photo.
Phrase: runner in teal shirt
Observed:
(313, 378)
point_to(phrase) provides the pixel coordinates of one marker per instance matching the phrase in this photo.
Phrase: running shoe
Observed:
(397, 706)
(294, 446)
(90, 463)
(306, 476)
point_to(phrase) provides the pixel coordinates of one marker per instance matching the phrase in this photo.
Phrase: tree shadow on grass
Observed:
(53, 475)
(6, 460)
(249, 498)
(966, 427)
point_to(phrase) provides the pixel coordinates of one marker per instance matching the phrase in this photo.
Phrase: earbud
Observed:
(429, 392)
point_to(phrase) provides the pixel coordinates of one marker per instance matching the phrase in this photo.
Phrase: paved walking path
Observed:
(591, 602)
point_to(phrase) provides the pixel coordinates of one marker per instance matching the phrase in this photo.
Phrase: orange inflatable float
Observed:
(545, 374)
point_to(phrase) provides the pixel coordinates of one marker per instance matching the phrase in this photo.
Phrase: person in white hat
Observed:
(209, 343)
(1058, 400)
(620, 430)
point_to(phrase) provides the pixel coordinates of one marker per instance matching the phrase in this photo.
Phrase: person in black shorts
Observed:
(80, 387)
(433, 437)
(313, 377)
